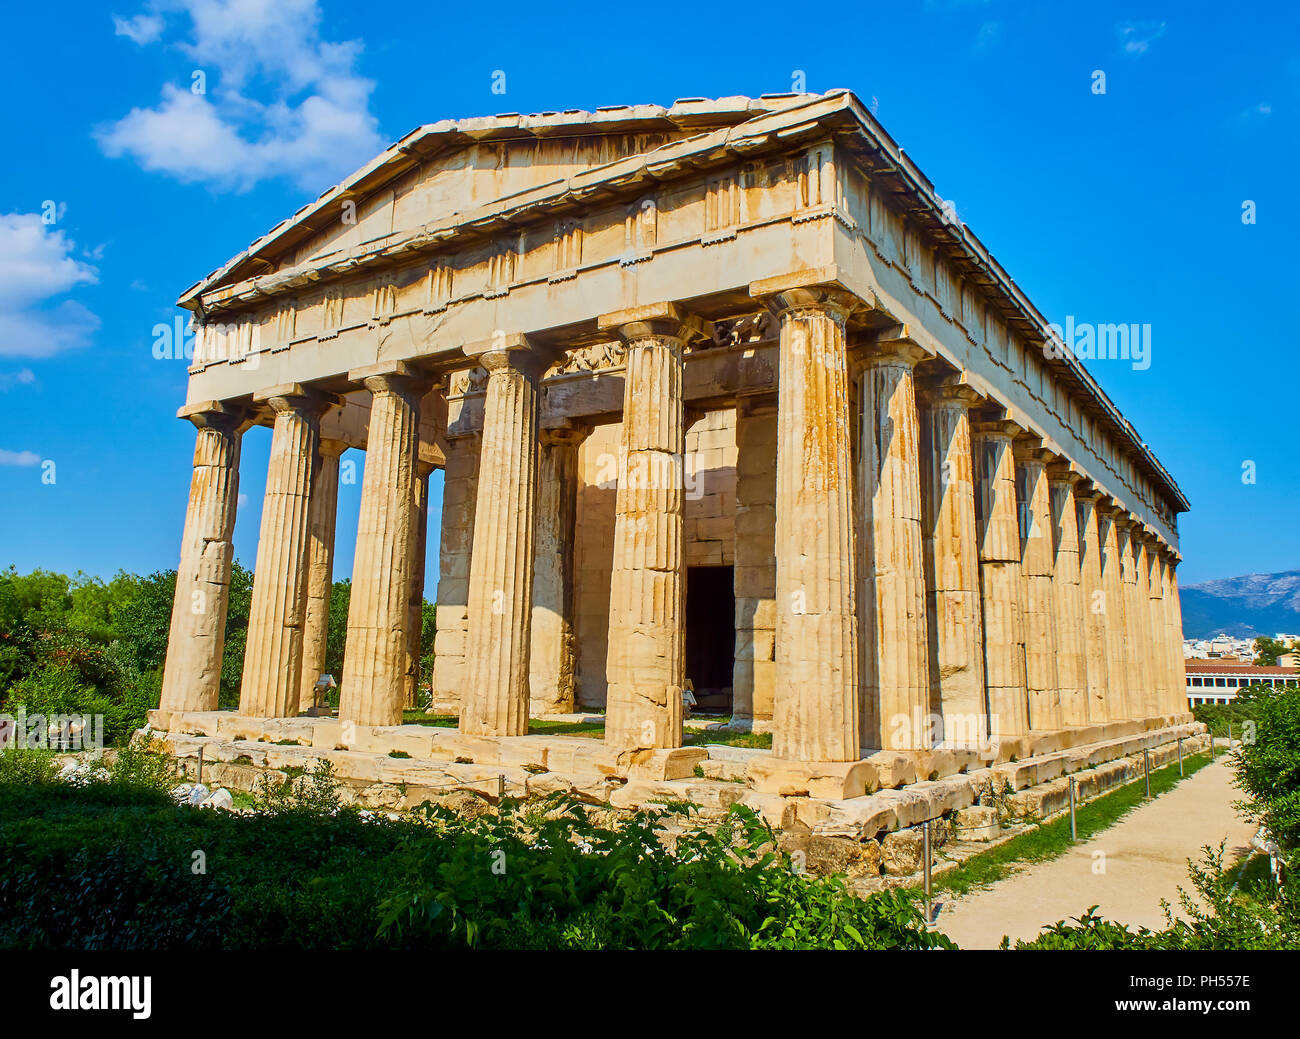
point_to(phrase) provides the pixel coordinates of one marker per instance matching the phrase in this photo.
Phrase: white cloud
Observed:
(142, 29)
(22, 377)
(1137, 37)
(36, 265)
(19, 457)
(279, 100)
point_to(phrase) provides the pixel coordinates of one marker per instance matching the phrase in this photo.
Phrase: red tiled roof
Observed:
(1236, 667)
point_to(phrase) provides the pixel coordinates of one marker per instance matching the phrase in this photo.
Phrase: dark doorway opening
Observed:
(710, 636)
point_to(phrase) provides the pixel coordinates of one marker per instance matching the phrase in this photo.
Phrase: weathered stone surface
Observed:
(903, 852)
(828, 855)
(192, 673)
(495, 696)
(977, 823)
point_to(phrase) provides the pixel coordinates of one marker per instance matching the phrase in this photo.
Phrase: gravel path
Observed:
(1144, 857)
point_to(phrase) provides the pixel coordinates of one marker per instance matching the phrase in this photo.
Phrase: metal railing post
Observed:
(1180, 755)
(925, 869)
(1146, 768)
(1074, 827)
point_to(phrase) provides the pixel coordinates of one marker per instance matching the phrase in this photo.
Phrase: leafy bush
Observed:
(1267, 764)
(118, 866)
(26, 767)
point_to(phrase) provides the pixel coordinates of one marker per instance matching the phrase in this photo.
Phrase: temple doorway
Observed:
(710, 636)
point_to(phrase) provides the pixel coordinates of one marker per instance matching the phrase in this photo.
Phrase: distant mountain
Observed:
(1245, 607)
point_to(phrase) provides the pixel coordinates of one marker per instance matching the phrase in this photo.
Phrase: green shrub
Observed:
(118, 866)
(26, 767)
(1267, 763)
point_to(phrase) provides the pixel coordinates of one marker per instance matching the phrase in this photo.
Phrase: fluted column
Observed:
(896, 677)
(1156, 628)
(501, 563)
(815, 700)
(1138, 683)
(272, 681)
(1068, 593)
(1001, 582)
(1174, 626)
(951, 539)
(1140, 625)
(192, 673)
(551, 669)
(375, 658)
(645, 663)
(1114, 614)
(1101, 707)
(321, 521)
(1037, 562)
(415, 600)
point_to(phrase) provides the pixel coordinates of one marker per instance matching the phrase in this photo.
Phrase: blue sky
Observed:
(1123, 206)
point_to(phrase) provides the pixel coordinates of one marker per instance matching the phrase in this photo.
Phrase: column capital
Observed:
(949, 391)
(510, 351)
(332, 448)
(996, 429)
(294, 396)
(818, 289)
(1086, 491)
(391, 377)
(1029, 450)
(1064, 471)
(217, 414)
(568, 435)
(897, 350)
(653, 321)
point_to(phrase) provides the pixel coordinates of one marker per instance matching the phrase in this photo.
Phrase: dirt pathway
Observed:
(1145, 859)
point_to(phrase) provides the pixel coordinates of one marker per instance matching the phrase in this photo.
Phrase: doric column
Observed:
(951, 540)
(271, 684)
(1156, 628)
(645, 663)
(1067, 588)
(1114, 614)
(1001, 583)
(1174, 624)
(754, 671)
(192, 674)
(815, 700)
(1101, 705)
(321, 518)
(375, 658)
(415, 600)
(551, 669)
(455, 543)
(501, 564)
(1039, 598)
(1136, 651)
(896, 677)
(1140, 624)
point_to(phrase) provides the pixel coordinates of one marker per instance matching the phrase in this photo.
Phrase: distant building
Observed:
(1217, 681)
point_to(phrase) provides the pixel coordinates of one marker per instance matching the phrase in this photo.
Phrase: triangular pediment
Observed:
(456, 166)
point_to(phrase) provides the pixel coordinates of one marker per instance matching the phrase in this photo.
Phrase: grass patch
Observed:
(438, 721)
(538, 727)
(1050, 840)
(698, 738)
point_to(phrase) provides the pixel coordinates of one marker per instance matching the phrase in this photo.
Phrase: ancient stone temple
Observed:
(723, 394)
